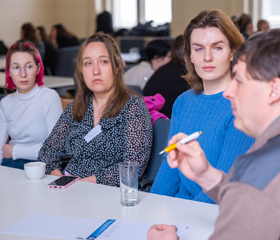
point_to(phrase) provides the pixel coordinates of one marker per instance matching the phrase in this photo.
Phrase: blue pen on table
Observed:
(184, 140)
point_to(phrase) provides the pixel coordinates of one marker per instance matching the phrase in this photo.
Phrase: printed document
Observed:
(84, 228)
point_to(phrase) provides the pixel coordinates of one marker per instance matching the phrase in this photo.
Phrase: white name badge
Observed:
(93, 133)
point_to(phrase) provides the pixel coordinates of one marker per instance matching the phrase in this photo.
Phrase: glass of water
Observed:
(128, 183)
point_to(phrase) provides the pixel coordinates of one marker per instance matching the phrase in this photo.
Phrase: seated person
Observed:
(62, 37)
(263, 25)
(3, 48)
(168, 80)
(210, 41)
(245, 25)
(104, 23)
(51, 52)
(104, 125)
(28, 115)
(249, 196)
(29, 33)
(157, 54)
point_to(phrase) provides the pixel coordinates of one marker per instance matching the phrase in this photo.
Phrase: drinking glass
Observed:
(128, 172)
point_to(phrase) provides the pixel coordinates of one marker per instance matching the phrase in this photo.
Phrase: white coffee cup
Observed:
(35, 170)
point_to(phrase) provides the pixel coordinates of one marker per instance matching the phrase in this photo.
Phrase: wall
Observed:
(78, 16)
(184, 10)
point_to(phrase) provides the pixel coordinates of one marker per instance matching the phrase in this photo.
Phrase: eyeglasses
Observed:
(28, 68)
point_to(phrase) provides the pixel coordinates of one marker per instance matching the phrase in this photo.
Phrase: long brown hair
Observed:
(30, 33)
(176, 50)
(121, 93)
(208, 18)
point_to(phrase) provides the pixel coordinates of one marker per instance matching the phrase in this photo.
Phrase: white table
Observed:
(20, 196)
(50, 81)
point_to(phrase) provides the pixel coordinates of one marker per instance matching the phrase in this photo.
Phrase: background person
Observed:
(62, 37)
(3, 48)
(106, 124)
(210, 41)
(51, 52)
(168, 80)
(104, 23)
(263, 25)
(157, 54)
(29, 33)
(28, 115)
(245, 24)
(249, 196)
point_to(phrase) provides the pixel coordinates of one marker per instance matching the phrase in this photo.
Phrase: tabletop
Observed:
(20, 196)
(50, 81)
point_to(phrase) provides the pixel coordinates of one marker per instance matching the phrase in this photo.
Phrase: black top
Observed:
(167, 81)
(50, 59)
(67, 42)
(126, 137)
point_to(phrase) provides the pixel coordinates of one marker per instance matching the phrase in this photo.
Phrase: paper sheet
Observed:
(82, 228)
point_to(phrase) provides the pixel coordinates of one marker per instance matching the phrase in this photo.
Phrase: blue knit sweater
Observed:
(220, 140)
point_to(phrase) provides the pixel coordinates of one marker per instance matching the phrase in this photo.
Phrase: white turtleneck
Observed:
(28, 119)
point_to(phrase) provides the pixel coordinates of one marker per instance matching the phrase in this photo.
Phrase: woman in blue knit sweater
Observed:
(210, 41)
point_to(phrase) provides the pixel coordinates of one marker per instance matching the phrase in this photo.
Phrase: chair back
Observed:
(136, 89)
(66, 61)
(65, 102)
(161, 129)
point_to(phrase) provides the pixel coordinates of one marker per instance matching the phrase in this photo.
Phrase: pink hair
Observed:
(27, 47)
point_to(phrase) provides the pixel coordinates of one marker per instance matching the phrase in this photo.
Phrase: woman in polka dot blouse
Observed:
(104, 125)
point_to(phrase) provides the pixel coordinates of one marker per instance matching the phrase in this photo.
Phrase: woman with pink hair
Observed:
(28, 115)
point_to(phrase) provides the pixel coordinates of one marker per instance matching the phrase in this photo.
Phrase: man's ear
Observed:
(274, 91)
(155, 57)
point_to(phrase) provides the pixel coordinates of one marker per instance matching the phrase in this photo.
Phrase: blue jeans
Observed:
(19, 163)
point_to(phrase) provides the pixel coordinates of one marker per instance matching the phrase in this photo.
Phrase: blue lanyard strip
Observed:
(101, 229)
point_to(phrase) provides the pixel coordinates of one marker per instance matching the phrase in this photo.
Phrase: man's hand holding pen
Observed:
(192, 162)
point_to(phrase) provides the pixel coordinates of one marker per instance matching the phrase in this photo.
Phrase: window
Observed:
(271, 12)
(125, 12)
(159, 15)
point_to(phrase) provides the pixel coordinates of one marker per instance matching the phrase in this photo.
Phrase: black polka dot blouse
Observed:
(126, 137)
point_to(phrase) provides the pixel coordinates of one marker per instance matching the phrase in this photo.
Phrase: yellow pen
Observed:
(184, 140)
